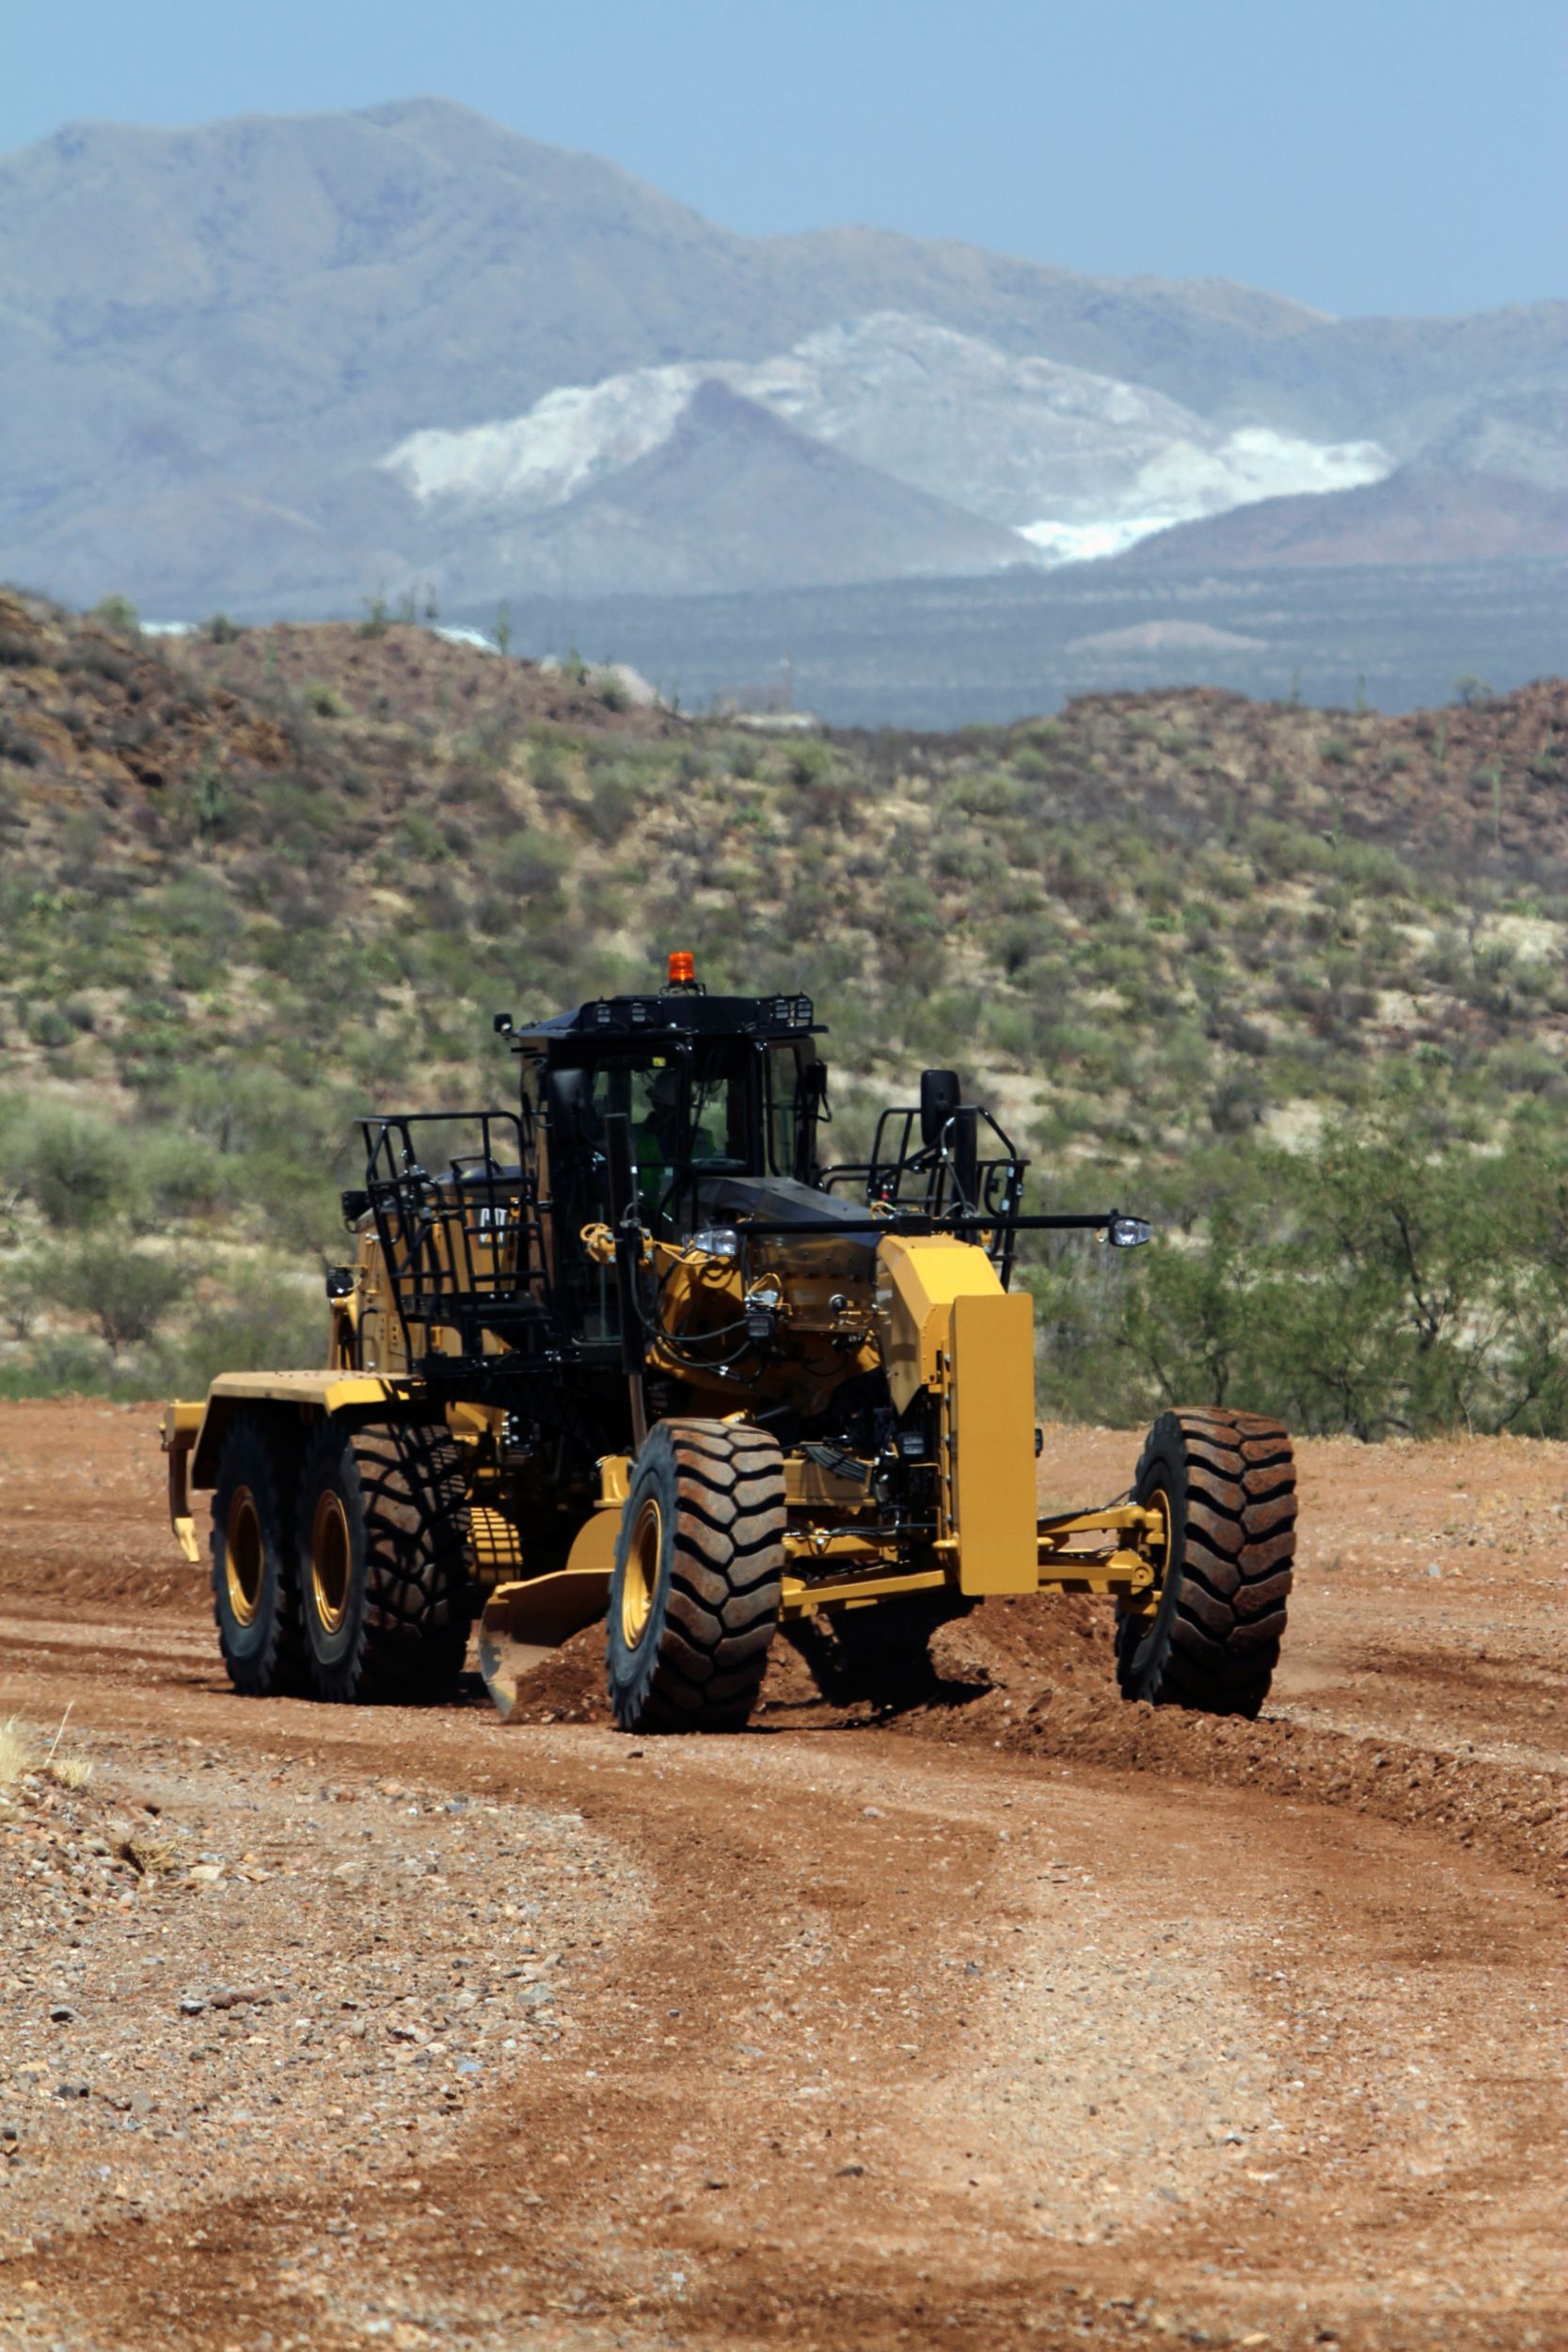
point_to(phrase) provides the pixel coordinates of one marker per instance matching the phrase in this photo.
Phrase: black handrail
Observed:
(462, 1249)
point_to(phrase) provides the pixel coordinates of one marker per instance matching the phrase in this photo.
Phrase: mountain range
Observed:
(280, 364)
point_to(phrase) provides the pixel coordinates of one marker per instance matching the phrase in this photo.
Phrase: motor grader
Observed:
(634, 1353)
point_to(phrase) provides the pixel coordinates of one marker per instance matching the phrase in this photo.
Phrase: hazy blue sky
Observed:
(1392, 156)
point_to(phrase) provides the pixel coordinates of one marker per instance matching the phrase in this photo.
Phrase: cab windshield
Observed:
(690, 1114)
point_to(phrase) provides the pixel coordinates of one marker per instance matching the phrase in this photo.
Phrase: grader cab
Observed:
(636, 1353)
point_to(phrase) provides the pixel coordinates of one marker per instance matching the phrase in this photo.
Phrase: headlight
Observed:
(1129, 1233)
(762, 1304)
(717, 1241)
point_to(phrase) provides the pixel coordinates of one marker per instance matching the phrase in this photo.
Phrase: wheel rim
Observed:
(331, 1560)
(1158, 1538)
(640, 1578)
(244, 1557)
(1156, 1543)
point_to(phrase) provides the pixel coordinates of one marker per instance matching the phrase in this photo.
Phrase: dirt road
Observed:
(1016, 2016)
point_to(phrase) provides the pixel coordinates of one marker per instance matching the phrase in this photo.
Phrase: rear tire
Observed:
(694, 1596)
(384, 1599)
(253, 1560)
(1228, 1485)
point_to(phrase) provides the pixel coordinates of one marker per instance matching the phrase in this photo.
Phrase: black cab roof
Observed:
(671, 1013)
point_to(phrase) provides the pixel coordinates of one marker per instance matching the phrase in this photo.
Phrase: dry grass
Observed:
(20, 1756)
(16, 1755)
(70, 1772)
(149, 1857)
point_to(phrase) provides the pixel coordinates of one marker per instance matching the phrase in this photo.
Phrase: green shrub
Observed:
(267, 1322)
(74, 1165)
(985, 792)
(965, 857)
(810, 763)
(17, 746)
(119, 613)
(48, 1025)
(547, 771)
(66, 1363)
(125, 1289)
(21, 1294)
(613, 803)
(1237, 1104)
(532, 866)
(1009, 1030)
(181, 1174)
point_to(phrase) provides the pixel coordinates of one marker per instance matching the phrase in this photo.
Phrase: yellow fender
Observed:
(193, 1434)
(953, 1329)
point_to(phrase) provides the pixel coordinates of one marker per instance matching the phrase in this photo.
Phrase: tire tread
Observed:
(1216, 1645)
(413, 1630)
(712, 1640)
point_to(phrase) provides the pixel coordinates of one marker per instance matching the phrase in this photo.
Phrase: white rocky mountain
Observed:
(1076, 463)
(280, 363)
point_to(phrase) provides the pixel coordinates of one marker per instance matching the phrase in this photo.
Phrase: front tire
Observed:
(385, 1599)
(253, 1561)
(694, 1596)
(1227, 1482)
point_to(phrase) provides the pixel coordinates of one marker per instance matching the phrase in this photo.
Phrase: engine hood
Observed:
(731, 1200)
(726, 1199)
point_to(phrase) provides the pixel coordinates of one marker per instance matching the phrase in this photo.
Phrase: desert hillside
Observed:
(1262, 969)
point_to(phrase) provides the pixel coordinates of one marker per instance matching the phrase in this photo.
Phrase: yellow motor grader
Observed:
(633, 1353)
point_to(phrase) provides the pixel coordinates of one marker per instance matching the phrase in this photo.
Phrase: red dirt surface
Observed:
(1001, 2013)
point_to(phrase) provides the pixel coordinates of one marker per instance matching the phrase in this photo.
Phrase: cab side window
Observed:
(783, 1110)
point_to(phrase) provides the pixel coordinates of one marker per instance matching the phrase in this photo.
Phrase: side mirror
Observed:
(940, 1097)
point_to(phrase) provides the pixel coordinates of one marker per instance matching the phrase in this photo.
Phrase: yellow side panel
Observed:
(330, 1389)
(308, 1392)
(991, 1419)
(917, 1282)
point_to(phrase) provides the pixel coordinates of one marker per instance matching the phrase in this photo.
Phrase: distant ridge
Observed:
(1421, 514)
(210, 339)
